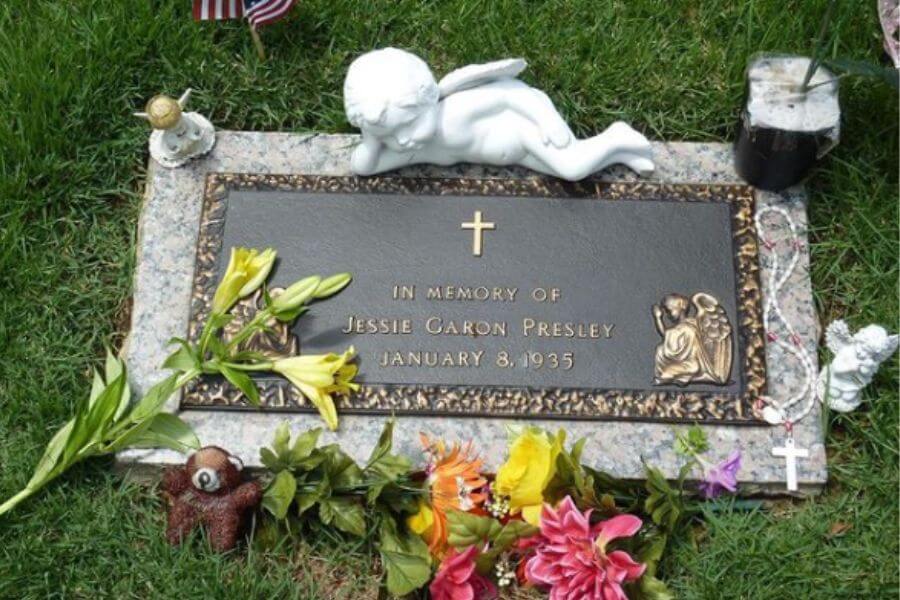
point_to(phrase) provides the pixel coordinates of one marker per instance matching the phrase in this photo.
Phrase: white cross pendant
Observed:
(791, 454)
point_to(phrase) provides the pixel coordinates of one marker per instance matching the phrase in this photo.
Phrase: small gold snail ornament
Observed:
(177, 136)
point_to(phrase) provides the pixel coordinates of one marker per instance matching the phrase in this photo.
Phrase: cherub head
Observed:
(676, 306)
(392, 95)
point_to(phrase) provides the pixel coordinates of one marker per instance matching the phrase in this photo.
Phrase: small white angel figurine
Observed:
(856, 359)
(479, 114)
(177, 136)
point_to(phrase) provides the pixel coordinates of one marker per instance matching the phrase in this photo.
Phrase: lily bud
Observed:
(332, 285)
(247, 270)
(297, 294)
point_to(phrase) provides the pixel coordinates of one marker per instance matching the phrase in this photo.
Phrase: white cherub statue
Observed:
(177, 136)
(479, 114)
(856, 359)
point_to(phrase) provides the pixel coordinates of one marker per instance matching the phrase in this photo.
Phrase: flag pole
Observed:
(257, 42)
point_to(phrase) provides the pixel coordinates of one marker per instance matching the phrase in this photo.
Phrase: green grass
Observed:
(71, 169)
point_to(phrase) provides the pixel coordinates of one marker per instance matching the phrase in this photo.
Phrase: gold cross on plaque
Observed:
(478, 226)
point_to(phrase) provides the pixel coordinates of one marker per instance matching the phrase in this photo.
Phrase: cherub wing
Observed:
(711, 317)
(837, 336)
(715, 332)
(475, 75)
(889, 348)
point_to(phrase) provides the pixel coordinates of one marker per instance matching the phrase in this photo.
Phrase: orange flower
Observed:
(454, 483)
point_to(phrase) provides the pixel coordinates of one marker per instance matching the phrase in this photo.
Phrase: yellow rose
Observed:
(526, 473)
(247, 270)
(318, 376)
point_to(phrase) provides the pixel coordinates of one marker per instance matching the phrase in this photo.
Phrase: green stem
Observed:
(815, 61)
(204, 337)
(186, 377)
(15, 500)
(261, 366)
(248, 329)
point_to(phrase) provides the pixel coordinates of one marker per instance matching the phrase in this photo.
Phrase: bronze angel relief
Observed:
(696, 345)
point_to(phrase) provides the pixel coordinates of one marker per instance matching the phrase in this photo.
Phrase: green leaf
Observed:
(217, 321)
(664, 503)
(577, 450)
(114, 367)
(385, 442)
(691, 441)
(52, 453)
(217, 347)
(241, 381)
(652, 549)
(304, 444)
(863, 68)
(165, 430)
(92, 420)
(154, 400)
(346, 514)
(387, 470)
(468, 529)
(282, 439)
(183, 359)
(332, 285)
(124, 401)
(288, 315)
(298, 457)
(270, 460)
(405, 558)
(342, 471)
(511, 532)
(248, 356)
(307, 499)
(279, 494)
(96, 386)
(654, 589)
(383, 467)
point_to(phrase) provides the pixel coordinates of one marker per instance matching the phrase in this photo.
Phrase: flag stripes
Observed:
(217, 10)
(261, 12)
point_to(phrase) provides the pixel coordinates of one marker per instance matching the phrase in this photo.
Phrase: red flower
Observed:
(571, 555)
(457, 578)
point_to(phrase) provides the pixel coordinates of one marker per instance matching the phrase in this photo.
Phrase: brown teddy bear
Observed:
(207, 490)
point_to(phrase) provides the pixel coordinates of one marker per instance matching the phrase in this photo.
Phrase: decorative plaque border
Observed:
(485, 401)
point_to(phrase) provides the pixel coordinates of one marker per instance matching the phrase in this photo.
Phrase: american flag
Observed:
(257, 12)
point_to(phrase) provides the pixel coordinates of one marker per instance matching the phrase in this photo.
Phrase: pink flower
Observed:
(721, 477)
(457, 578)
(571, 556)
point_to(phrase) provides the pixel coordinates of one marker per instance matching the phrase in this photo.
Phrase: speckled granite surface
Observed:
(168, 231)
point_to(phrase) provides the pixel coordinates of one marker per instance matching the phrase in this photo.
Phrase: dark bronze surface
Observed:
(613, 252)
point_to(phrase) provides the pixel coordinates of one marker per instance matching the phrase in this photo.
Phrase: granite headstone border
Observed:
(168, 231)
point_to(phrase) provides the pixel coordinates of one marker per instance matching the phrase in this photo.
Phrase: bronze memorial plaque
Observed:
(499, 297)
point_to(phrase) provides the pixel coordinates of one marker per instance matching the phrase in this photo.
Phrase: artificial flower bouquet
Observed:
(543, 520)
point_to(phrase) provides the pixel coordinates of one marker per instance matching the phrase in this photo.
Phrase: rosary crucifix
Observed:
(791, 454)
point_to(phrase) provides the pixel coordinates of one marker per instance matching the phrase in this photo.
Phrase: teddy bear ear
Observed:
(237, 462)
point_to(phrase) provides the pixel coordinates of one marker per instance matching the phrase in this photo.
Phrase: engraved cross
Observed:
(791, 454)
(478, 227)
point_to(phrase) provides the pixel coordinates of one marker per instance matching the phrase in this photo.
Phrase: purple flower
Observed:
(721, 477)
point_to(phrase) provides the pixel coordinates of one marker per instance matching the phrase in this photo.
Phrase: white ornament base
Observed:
(173, 159)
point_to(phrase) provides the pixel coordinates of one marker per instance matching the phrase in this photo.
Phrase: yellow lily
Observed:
(318, 376)
(247, 270)
(526, 473)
